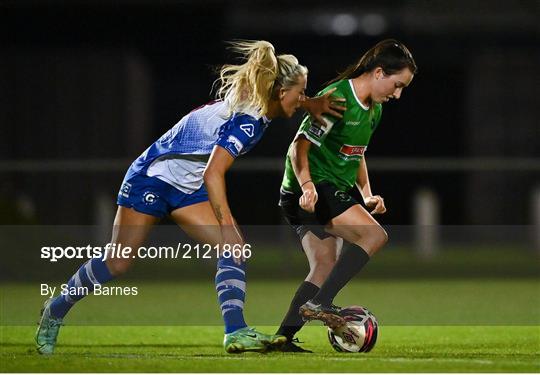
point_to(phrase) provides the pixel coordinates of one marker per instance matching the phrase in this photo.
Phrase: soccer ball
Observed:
(358, 335)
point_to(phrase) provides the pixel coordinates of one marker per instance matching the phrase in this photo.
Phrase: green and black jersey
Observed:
(339, 145)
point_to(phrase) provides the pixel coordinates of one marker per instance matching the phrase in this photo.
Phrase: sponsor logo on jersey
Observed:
(149, 197)
(350, 150)
(125, 189)
(353, 123)
(249, 129)
(316, 131)
(235, 143)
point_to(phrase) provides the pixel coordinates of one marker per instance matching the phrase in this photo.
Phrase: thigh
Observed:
(199, 222)
(131, 227)
(355, 225)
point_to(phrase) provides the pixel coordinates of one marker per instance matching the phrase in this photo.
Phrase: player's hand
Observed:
(325, 104)
(309, 197)
(231, 236)
(376, 204)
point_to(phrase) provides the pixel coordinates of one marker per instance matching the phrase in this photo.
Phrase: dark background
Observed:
(96, 80)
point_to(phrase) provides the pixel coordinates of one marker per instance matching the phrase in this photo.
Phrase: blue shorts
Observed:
(152, 196)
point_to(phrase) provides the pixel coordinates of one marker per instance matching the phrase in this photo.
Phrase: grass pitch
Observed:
(479, 325)
(198, 349)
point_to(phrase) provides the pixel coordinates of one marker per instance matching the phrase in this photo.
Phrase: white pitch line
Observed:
(335, 359)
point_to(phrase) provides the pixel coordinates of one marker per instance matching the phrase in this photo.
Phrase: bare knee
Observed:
(373, 240)
(117, 266)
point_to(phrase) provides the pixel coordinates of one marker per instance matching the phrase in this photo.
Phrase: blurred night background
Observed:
(86, 86)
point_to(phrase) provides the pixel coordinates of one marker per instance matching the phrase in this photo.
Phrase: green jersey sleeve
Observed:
(316, 133)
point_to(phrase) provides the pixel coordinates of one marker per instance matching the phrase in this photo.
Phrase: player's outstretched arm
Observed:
(324, 104)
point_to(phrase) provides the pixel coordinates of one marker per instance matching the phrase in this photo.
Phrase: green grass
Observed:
(394, 302)
(198, 349)
(428, 325)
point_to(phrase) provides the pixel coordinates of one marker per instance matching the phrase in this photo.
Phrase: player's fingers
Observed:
(337, 107)
(302, 202)
(380, 207)
(375, 210)
(306, 204)
(330, 92)
(383, 207)
(334, 113)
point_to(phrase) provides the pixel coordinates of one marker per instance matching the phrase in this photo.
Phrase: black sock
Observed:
(292, 322)
(350, 262)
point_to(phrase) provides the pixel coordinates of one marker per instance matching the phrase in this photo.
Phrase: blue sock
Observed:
(94, 271)
(231, 290)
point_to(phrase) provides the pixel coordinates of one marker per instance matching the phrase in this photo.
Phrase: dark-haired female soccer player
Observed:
(182, 175)
(325, 193)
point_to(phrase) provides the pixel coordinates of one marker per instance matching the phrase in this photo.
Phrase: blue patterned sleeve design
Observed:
(240, 134)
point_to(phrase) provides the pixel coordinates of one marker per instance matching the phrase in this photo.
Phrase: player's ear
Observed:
(378, 73)
(277, 93)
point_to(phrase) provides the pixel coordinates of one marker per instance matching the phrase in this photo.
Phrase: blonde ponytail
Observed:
(250, 86)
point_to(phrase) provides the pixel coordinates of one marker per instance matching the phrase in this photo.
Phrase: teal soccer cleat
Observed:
(249, 340)
(48, 329)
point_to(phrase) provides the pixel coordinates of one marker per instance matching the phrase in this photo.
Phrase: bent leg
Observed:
(321, 254)
(358, 227)
(365, 237)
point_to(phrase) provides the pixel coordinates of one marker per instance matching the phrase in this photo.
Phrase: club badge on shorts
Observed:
(149, 197)
(342, 196)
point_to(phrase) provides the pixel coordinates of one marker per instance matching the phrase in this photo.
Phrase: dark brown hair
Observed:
(391, 55)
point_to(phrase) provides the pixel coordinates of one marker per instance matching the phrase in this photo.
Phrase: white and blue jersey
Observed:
(179, 157)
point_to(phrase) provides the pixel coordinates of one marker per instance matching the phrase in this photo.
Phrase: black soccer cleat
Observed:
(291, 347)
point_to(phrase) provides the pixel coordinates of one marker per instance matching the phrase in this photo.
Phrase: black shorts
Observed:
(331, 202)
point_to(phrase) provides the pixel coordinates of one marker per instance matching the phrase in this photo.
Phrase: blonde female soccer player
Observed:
(182, 175)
